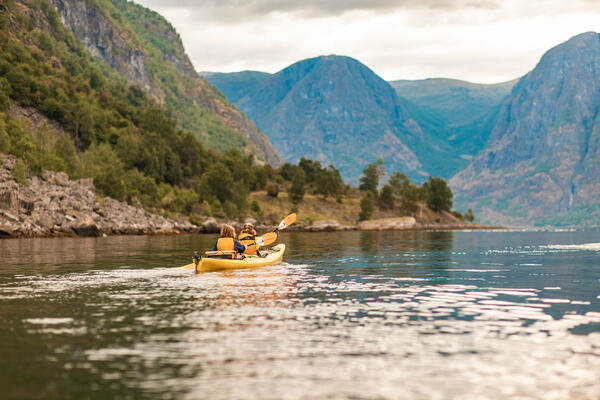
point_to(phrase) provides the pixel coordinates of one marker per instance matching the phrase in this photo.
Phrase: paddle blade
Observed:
(287, 221)
(266, 239)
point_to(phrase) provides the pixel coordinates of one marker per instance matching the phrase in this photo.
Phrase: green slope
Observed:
(236, 85)
(142, 46)
(107, 129)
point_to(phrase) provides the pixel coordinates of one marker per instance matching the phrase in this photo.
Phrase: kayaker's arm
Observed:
(240, 248)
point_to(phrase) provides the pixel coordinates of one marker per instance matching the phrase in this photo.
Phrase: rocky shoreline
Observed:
(53, 205)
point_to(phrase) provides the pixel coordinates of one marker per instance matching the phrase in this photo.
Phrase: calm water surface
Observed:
(358, 315)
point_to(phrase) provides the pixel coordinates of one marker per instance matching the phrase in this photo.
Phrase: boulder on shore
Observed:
(330, 225)
(388, 224)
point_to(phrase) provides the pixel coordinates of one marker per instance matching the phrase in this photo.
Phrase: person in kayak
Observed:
(247, 237)
(227, 241)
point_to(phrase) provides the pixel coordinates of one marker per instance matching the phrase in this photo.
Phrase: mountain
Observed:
(541, 162)
(457, 114)
(442, 122)
(453, 101)
(236, 85)
(147, 51)
(336, 110)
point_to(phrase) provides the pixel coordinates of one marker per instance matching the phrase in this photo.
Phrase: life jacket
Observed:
(225, 244)
(246, 239)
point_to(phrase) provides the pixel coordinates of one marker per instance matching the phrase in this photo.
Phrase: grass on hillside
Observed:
(315, 208)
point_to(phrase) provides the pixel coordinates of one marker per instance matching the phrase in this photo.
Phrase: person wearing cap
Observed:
(247, 237)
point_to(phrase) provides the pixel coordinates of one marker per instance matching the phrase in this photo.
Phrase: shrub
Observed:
(272, 189)
(4, 139)
(255, 207)
(19, 172)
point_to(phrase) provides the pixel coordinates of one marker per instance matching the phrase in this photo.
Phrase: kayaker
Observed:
(227, 241)
(248, 236)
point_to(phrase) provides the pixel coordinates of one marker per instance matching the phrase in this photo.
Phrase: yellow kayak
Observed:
(275, 254)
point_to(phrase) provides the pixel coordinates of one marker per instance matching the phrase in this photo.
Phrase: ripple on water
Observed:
(356, 327)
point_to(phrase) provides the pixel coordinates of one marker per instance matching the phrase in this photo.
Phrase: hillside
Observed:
(145, 49)
(540, 164)
(63, 110)
(236, 85)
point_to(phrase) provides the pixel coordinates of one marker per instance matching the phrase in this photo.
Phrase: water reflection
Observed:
(354, 315)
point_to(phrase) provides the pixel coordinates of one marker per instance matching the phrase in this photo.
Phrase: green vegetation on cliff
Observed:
(113, 132)
(157, 38)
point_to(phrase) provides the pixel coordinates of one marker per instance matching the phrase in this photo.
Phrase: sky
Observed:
(484, 41)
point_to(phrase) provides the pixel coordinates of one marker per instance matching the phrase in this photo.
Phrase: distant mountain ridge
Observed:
(454, 101)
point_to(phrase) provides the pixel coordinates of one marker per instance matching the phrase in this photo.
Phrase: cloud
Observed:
(232, 10)
(481, 41)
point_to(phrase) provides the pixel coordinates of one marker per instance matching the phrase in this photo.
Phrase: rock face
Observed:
(541, 162)
(53, 205)
(99, 37)
(144, 48)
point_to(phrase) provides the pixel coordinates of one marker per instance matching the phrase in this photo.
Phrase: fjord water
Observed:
(361, 315)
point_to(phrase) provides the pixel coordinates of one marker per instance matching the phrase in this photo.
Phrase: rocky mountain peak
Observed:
(336, 110)
(538, 161)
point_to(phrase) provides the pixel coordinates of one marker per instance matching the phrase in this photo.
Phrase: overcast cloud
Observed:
(476, 40)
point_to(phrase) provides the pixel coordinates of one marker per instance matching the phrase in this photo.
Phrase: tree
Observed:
(297, 190)
(438, 194)
(328, 182)
(469, 216)
(369, 182)
(386, 197)
(310, 168)
(366, 207)
(287, 171)
(407, 192)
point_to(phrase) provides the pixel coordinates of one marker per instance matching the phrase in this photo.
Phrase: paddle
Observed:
(265, 239)
(287, 221)
(271, 237)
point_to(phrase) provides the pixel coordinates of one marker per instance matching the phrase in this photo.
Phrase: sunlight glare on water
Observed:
(390, 315)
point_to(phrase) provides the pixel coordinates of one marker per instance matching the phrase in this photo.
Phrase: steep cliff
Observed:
(147, 51)
(541, 162)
